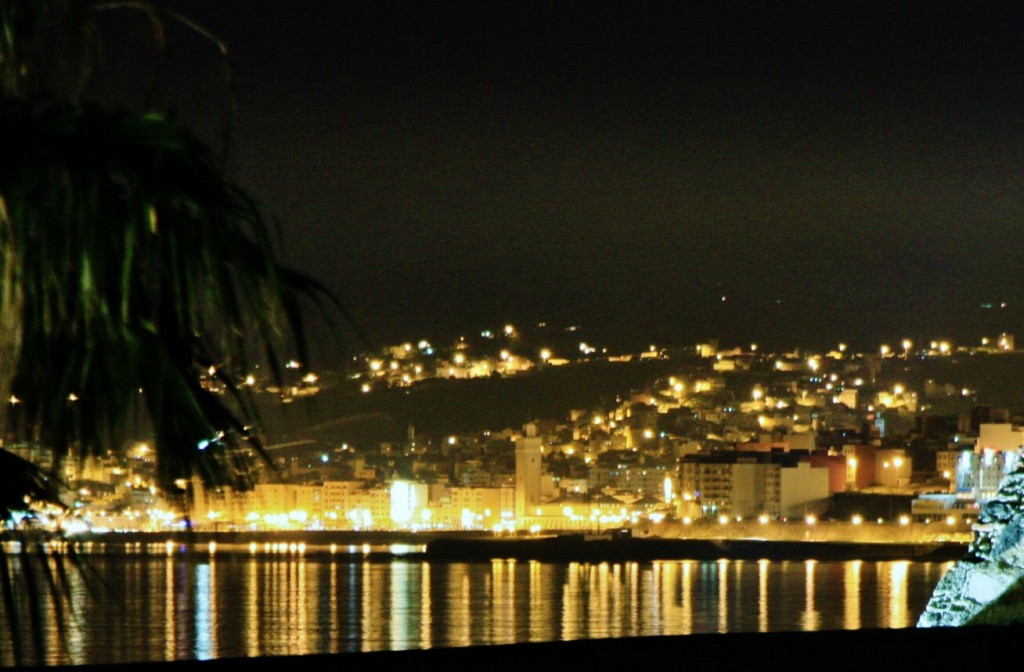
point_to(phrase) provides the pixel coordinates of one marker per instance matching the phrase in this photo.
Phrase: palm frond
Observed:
(129, 267)
(22, 484)
(141, 267)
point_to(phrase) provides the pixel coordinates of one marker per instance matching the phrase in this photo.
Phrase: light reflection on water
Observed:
(172, 606)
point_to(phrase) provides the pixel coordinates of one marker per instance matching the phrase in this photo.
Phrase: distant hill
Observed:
(440, 407)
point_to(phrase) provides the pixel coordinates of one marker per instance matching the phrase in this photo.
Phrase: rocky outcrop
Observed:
(986, 586)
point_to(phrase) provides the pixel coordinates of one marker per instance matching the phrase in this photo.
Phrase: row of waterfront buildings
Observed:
(711, 443)
(771, 483)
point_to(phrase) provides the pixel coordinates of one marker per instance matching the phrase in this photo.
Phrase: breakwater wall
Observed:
(582, 548)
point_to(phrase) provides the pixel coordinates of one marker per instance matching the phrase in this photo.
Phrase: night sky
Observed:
(835, 172)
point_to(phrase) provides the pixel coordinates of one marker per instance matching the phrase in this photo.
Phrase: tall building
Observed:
(528, 472)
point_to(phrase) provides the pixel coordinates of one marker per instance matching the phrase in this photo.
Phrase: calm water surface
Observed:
(172, 606)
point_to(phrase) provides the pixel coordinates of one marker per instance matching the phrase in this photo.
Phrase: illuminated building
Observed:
(528, 472)
(752, 485)
(407, 500)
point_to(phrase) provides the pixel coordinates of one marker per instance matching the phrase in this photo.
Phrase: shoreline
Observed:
(481, 547)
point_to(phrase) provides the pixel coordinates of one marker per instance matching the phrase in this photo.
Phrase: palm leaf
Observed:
(129, 266)
(140, 267)
(23, 483)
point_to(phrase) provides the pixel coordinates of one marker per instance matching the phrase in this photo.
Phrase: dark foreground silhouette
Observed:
(906, 650)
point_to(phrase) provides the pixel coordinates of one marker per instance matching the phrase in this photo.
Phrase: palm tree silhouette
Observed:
(129, 267)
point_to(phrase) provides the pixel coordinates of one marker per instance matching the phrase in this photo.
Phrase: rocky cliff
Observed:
(986, 587)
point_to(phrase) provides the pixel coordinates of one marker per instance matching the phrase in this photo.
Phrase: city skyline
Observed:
(640, 168)
(715, 184)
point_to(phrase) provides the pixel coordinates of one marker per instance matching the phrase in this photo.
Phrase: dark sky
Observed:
(837, 172)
